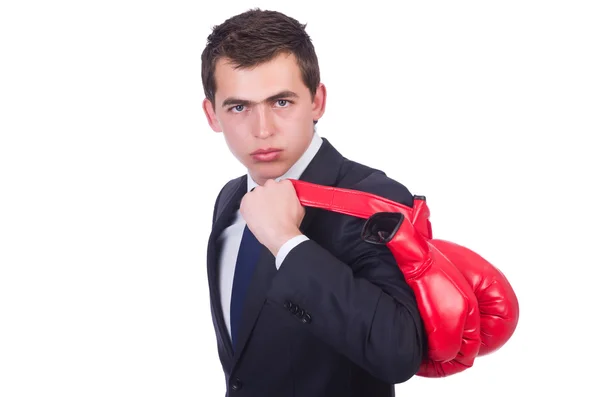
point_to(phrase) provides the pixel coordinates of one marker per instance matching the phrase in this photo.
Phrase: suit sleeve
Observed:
(358, 302)
(287, 247)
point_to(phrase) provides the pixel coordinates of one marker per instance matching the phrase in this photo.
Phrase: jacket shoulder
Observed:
(227, 189)
(357, 176)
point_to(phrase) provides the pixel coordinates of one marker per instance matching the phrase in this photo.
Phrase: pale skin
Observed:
(267, 106)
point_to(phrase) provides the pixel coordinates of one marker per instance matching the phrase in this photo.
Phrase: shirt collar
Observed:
(299, 166)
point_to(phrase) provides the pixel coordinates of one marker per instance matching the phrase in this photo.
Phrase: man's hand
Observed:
(273, 213)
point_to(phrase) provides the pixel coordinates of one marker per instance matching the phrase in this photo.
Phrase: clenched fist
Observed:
(273, 213)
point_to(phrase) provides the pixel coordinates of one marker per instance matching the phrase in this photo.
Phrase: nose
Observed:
(265, 126)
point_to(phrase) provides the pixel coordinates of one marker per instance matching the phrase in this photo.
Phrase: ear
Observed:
(211, 116)
(319, 102)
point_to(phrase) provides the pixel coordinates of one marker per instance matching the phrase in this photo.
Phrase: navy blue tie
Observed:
(247, 258)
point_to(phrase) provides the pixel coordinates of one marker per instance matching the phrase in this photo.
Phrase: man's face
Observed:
(264, 108)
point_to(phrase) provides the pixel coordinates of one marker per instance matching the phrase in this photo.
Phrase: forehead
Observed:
(261, 81)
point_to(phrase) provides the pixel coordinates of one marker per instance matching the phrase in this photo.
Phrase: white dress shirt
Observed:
(232, 235)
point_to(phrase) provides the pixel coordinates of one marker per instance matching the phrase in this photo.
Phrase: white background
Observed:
(109, 172)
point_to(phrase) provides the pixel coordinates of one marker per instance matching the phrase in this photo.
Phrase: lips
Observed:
(265, 151)
(265, 155)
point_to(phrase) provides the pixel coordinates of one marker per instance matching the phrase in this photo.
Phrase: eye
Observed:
(282, 102)
(237, 108)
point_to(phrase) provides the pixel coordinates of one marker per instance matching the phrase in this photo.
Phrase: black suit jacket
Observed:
(337, 318)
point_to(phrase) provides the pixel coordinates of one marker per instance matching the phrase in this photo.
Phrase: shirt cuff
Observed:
(287, 247)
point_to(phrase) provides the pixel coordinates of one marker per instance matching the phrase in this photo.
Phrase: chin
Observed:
(269, 171)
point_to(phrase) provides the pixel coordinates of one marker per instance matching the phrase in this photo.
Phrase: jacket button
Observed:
(236, 384)
(294, 309)
(306, 319)
(287, 305)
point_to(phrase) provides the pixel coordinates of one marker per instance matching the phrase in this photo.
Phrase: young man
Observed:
(301, 305)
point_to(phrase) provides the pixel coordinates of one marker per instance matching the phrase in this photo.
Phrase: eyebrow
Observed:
(238, 101)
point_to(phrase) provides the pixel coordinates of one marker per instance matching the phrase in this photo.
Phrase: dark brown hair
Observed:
(254, 37)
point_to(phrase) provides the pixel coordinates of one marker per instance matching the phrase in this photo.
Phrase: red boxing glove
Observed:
(446, 301)
(427, 264)
(498, 303)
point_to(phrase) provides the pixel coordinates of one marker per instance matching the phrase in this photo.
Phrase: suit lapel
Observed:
(225, 215)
